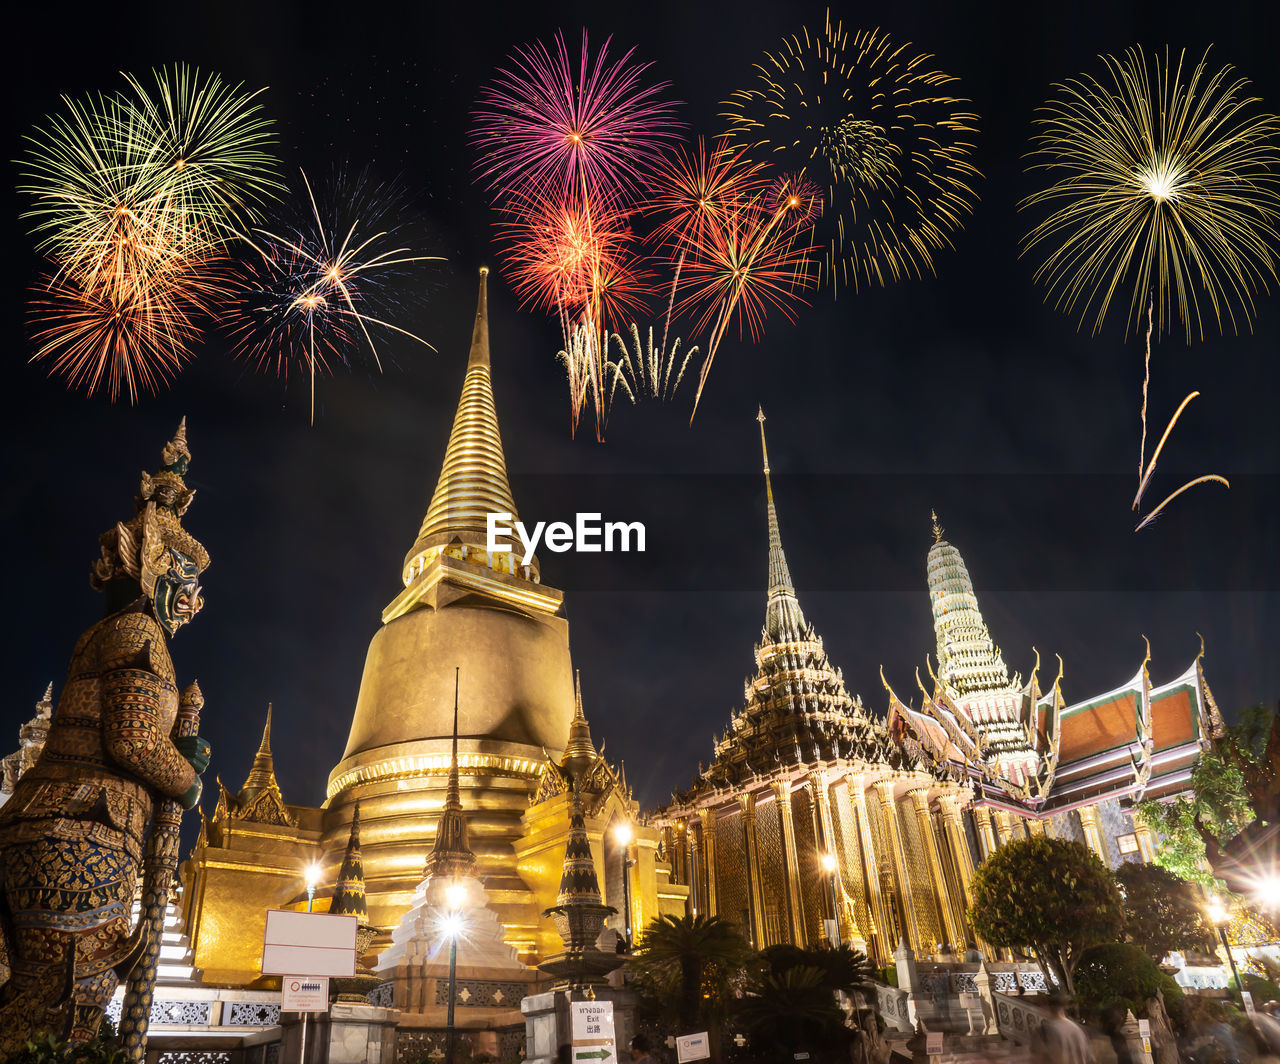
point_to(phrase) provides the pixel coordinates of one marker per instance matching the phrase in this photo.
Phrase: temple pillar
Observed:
(819, 783)
(791, 861)
(695, 874)
(1004, 827)
(880, 933)
(1146, 842)
(889, 810)
(1035, 827)
(1093, 832)
(953, 824)
(986, 837)
(708, 818)
(755, 889)
(948, 918)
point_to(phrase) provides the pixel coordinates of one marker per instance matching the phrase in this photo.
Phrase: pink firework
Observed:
(548, 123)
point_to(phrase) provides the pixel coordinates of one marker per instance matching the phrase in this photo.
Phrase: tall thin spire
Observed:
(579, 751)
(473, 479)
(450, 854)
(969, 662)
(262, 776)
(783, 618)
(349, 894)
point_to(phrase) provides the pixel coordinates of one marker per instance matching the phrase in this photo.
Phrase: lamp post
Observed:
(623, 835)
(828, 861)
(313, 880)
(454, 895)
(1221, 918)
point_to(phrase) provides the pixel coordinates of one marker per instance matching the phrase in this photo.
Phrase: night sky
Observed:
(963, 393)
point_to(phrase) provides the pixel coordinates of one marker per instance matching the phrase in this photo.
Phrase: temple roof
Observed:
(259, 800)
(473, 480)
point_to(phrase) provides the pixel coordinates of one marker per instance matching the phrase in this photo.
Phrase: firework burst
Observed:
(546, 124)
(135, 199)
(1164, 182)
(317, 290)
(870, 123)
(741, 242)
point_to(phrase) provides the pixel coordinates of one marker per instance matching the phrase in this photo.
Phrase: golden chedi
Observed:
(489, 617)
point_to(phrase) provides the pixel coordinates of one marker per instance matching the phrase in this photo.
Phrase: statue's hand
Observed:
(192, 798)
(195, 750)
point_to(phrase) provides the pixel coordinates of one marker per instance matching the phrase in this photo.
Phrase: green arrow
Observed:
(594, 1054)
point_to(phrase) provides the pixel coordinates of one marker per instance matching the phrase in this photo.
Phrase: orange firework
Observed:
(122, 337)
(743, 242)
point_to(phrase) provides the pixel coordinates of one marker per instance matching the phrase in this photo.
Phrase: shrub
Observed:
(1123, 975)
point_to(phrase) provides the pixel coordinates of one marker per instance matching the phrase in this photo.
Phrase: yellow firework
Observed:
(868, 121)
(1166, 186)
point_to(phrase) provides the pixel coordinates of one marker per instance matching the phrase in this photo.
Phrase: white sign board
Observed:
(304, 993)
(933, 1043)
(1144, 1028)
(315, 943)
(1247, 998)
(592, 1030)
(693, 1047)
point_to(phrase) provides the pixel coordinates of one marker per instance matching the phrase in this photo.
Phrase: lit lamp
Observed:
(313, 880)
(454, 895)
(1268, 892)
(828, 862)
(623, 835)
(1221, 918)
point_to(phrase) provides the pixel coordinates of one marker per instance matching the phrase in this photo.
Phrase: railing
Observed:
(1017, 1020)
(893, 1005)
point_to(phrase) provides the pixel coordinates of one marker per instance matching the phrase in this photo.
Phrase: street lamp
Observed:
(454, 895)
(623, 835)
(313, 880)
(1221, 918)
(828, 861)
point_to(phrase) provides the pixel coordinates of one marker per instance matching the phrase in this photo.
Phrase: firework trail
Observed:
(316, 290)
(566, 150)
(741, 240)
(1166, 183)
(870, 123)
(135, 202)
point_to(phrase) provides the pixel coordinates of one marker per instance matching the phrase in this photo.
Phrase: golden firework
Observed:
(870, 123)
(1166, 183)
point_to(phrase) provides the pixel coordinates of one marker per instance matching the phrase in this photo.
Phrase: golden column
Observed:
(949, 919)
(819, 783)
(1093, 833)
(790, 861)
(870, 868)
(889, 811)
(1004, 827)
(986, 837)
(708, 818)
(748, 802)
(953, 822)
(1146, 844)
(1035, 826)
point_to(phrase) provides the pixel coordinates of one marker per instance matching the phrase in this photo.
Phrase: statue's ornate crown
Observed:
(161, 501)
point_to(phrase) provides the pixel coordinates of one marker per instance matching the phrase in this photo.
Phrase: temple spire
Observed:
(969, 662)
(783, 618)
(262, 776)
(349, 895)
(450, 854)
(473, 479)
(579, 751)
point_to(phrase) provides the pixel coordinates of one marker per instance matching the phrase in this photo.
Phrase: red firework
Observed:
(547, 124)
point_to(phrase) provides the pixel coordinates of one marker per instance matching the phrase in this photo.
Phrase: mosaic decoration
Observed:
(383, 996)
(74, 836)
(732, 901)
(475, 992)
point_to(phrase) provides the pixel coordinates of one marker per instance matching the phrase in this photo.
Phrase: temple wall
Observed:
(733, 898)
(849, 849)
(814, 899)
(773, 878)
(922, 893)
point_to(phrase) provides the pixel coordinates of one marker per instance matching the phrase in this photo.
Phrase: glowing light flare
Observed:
(828, 861)
(623, 834)
(455, 894)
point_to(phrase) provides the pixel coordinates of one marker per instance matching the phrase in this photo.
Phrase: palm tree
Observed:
(689, 960)
(792, 1010)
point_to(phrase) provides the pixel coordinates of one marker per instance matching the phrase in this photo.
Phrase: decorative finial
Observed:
(937, 528)
(763, 448)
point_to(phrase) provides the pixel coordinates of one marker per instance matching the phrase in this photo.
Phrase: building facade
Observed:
(816, 818)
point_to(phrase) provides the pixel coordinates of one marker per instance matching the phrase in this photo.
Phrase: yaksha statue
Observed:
(73, 836)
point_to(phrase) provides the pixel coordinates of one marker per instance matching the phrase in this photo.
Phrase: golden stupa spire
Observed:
(450, 855)
(937, 528)
(579, 751)
(473, 480)
(783, 619)
(262, 776)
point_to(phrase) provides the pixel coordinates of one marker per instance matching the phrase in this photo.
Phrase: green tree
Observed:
(1050, 895)
(1218, 803)
(793, 1011)
(1161, 911)
(685, 966)
(1122, 975)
